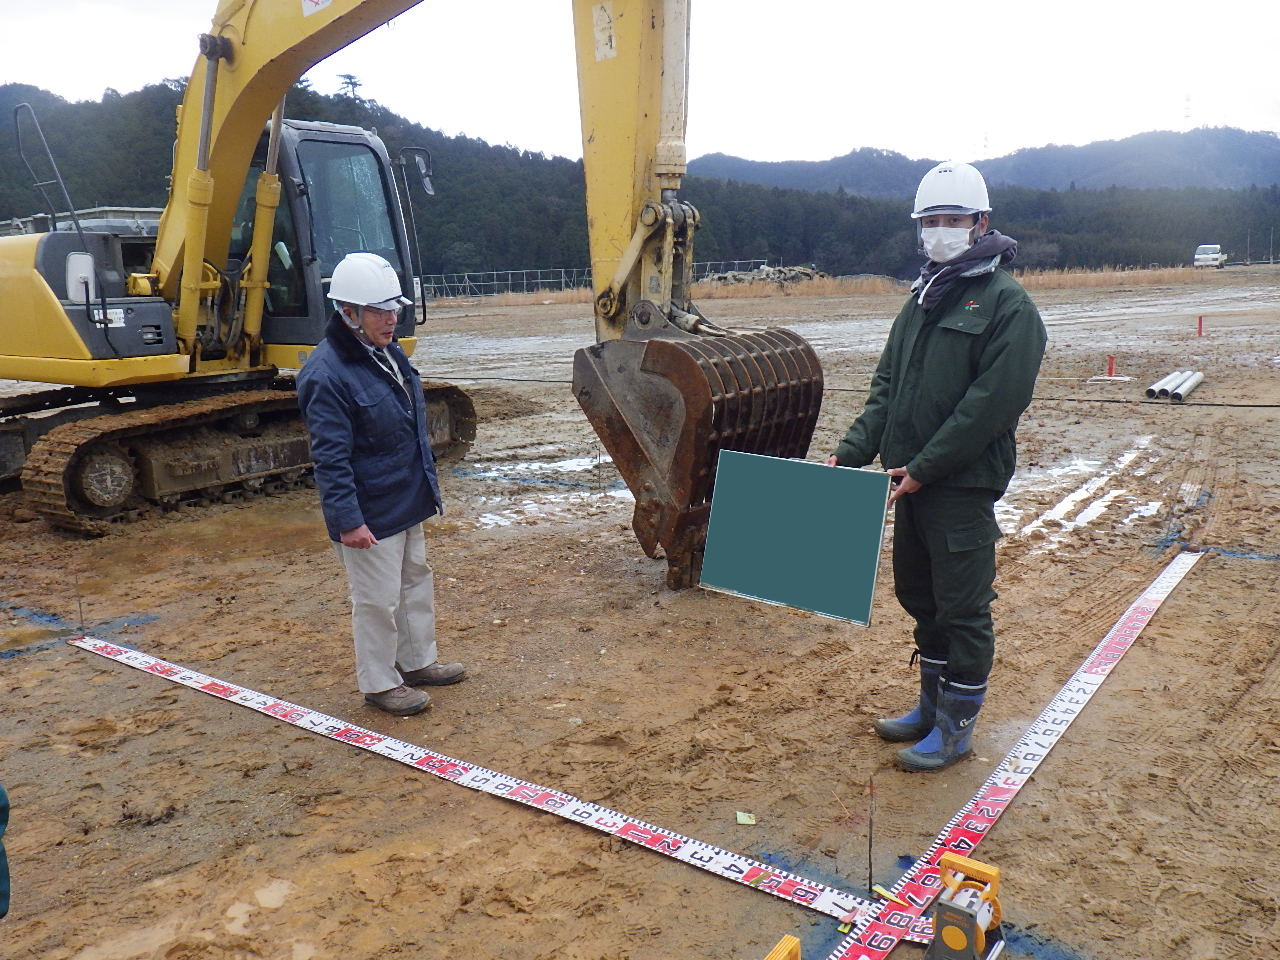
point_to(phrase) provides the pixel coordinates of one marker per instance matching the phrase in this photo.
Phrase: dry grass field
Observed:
(870, 285)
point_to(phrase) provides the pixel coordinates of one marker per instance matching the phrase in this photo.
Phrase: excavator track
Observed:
(87, 474)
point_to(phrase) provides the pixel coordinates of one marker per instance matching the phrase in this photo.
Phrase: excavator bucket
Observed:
(451, 419)
(665, 407)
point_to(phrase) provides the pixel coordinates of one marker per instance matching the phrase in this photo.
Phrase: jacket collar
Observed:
(347, 345)
(343, 339)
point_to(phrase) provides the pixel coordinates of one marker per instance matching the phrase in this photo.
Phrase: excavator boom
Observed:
(253, 53)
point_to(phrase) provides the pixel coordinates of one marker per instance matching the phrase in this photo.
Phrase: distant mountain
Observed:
(500, 208)
(1212, 157)
(865, 172)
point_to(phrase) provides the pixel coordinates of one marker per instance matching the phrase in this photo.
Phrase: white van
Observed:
(1209, 255)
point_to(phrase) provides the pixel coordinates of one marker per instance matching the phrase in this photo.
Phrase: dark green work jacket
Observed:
(950, 386)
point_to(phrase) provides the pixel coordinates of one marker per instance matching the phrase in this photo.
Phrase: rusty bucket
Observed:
(665, 407)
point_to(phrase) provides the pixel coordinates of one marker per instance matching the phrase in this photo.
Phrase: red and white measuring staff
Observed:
(724, 863)
(880, 927)
(877, 932)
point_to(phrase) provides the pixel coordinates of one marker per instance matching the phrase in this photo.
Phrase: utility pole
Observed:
(1271, 258)
(1248, 235)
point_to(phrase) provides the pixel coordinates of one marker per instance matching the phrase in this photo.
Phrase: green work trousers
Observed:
(944, 568)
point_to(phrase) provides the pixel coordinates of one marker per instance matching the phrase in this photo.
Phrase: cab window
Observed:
(349, 202)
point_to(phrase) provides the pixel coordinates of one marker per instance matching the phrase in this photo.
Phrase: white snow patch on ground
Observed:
(1087, 502)
(552, 508)
(1144, 510)
(538, 468)
(1087, 490)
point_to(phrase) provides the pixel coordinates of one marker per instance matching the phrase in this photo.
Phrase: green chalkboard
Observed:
(796, 533)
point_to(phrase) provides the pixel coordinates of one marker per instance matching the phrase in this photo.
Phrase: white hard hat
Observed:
(951, 187)
(368, 280)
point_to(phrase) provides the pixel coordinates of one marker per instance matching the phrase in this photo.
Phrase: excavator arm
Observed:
(254, 52)
(632, 76)
(665, 389)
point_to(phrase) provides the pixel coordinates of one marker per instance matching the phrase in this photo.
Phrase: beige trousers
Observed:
(393, 614)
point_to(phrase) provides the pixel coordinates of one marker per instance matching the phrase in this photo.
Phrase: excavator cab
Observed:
(155, 415)
(338, 197)
(666, 389)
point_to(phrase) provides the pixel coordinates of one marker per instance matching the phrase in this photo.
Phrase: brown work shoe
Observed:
(435, 675)
(400, 701)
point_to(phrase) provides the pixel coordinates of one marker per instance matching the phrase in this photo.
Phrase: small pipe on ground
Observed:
(1185, 387)
(1164, 383)
(1179, 382)
(1169, 387)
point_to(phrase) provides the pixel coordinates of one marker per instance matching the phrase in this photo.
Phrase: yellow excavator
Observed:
(171, 348)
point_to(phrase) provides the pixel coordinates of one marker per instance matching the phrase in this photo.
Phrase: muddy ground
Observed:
(151, 821)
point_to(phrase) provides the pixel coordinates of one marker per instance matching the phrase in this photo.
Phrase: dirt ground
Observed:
(152, 822)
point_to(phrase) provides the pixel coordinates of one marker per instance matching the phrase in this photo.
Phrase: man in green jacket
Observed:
(956, 374)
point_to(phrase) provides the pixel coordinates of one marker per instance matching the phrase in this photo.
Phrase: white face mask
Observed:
(944, 243)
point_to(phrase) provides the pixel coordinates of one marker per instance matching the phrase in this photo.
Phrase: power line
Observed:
(828, 387)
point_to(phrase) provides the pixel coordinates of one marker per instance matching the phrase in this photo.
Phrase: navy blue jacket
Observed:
(4, 862)
(373, 459)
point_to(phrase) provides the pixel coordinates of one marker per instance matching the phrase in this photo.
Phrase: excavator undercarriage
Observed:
(148, 455)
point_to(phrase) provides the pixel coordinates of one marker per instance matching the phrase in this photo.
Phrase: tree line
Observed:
(502, 208)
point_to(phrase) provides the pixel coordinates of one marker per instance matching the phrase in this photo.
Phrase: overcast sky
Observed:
(790, 80)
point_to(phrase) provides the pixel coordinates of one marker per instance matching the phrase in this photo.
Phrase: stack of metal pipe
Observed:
(1177, 386)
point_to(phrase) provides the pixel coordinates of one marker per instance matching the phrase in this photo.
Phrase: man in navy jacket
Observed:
(366, 417)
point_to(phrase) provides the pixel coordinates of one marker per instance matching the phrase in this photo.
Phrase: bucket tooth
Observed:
(664, 408)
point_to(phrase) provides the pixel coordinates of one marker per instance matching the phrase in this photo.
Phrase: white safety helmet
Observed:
(367, 280)
(951, 187)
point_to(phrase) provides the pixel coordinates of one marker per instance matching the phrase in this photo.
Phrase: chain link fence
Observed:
(493, 282)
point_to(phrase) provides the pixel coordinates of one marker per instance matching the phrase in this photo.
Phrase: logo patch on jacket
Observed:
(972, 305)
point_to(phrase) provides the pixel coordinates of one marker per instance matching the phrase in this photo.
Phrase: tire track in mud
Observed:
(1217, 756)
(1191, 505)
(1211, 767)
(1082, 588)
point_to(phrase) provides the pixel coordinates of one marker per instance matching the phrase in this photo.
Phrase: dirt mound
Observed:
(766, 274)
